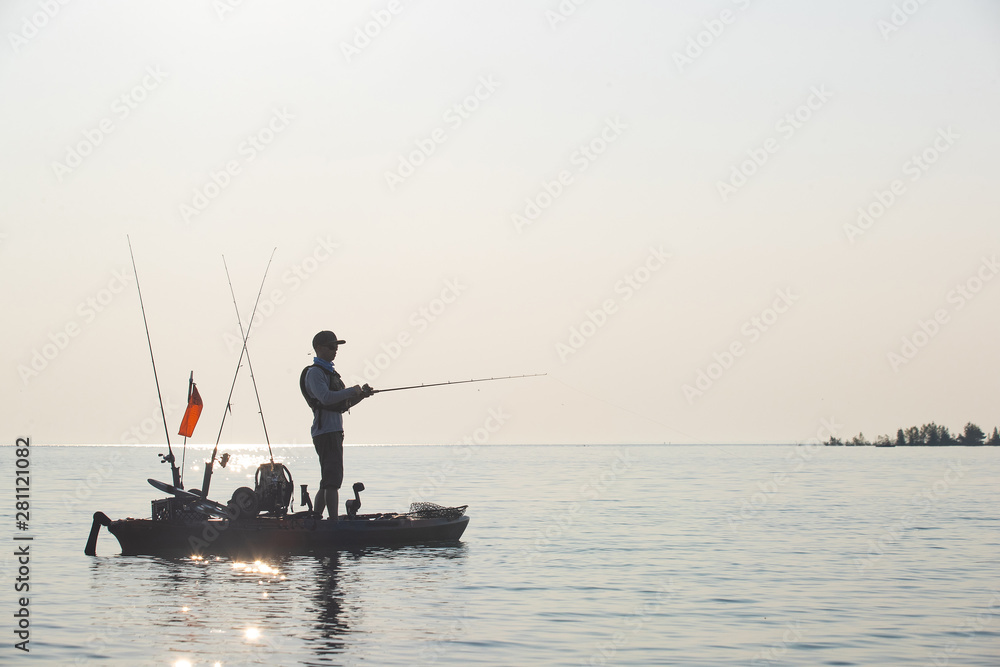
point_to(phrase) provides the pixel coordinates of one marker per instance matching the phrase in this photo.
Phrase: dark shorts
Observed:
(330, 448)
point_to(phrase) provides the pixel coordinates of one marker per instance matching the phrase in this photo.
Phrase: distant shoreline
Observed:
(870, 444)
(928, 435)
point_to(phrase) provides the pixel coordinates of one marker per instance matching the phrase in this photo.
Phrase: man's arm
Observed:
(318, 385)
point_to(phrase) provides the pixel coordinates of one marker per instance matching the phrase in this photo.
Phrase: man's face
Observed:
(328, 352)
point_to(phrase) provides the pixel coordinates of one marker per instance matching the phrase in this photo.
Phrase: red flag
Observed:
(192, 412)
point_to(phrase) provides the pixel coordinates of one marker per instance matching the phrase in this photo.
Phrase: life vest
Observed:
(336, 384)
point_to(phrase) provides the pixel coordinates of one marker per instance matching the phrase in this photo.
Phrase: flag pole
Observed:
(184, 450)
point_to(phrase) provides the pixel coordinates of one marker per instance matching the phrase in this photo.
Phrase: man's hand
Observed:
(360, 392)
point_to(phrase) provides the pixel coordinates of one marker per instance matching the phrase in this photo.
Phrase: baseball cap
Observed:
(326, 338)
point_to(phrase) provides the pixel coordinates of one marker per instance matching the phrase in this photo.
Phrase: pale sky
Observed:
(708, 222)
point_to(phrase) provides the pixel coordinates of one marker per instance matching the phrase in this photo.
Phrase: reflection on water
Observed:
(689, 557)
(328, 604)
(233, 612)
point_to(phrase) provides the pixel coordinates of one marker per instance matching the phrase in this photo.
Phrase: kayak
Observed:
(291, 535)
(188, 524)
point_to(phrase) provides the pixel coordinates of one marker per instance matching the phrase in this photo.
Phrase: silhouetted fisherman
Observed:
(326, 394)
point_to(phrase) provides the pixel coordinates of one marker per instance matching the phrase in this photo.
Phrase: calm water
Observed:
(625, 555)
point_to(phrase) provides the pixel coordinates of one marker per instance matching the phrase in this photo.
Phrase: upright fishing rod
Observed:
(439, 384)
(206, 482)
(260, 408)
(175, 472)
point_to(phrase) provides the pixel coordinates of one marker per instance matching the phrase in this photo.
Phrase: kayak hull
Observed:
(265, 536)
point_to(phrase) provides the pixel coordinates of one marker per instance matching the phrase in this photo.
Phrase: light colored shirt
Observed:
(318, 386)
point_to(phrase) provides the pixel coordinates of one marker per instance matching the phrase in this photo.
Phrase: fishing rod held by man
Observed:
(439, 384)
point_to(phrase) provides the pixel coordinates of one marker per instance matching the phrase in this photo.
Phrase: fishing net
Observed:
(433, 511)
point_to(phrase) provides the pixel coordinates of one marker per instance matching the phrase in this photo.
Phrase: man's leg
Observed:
(321, 451)
(320, 502)
(335, 477)
(332, 498)
(330, 448)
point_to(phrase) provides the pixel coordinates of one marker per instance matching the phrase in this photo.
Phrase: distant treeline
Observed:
(928, 435)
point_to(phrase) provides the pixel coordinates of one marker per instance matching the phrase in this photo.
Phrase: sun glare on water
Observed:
(257, 567)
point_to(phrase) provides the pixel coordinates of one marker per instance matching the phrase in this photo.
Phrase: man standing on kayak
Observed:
(326, 394)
